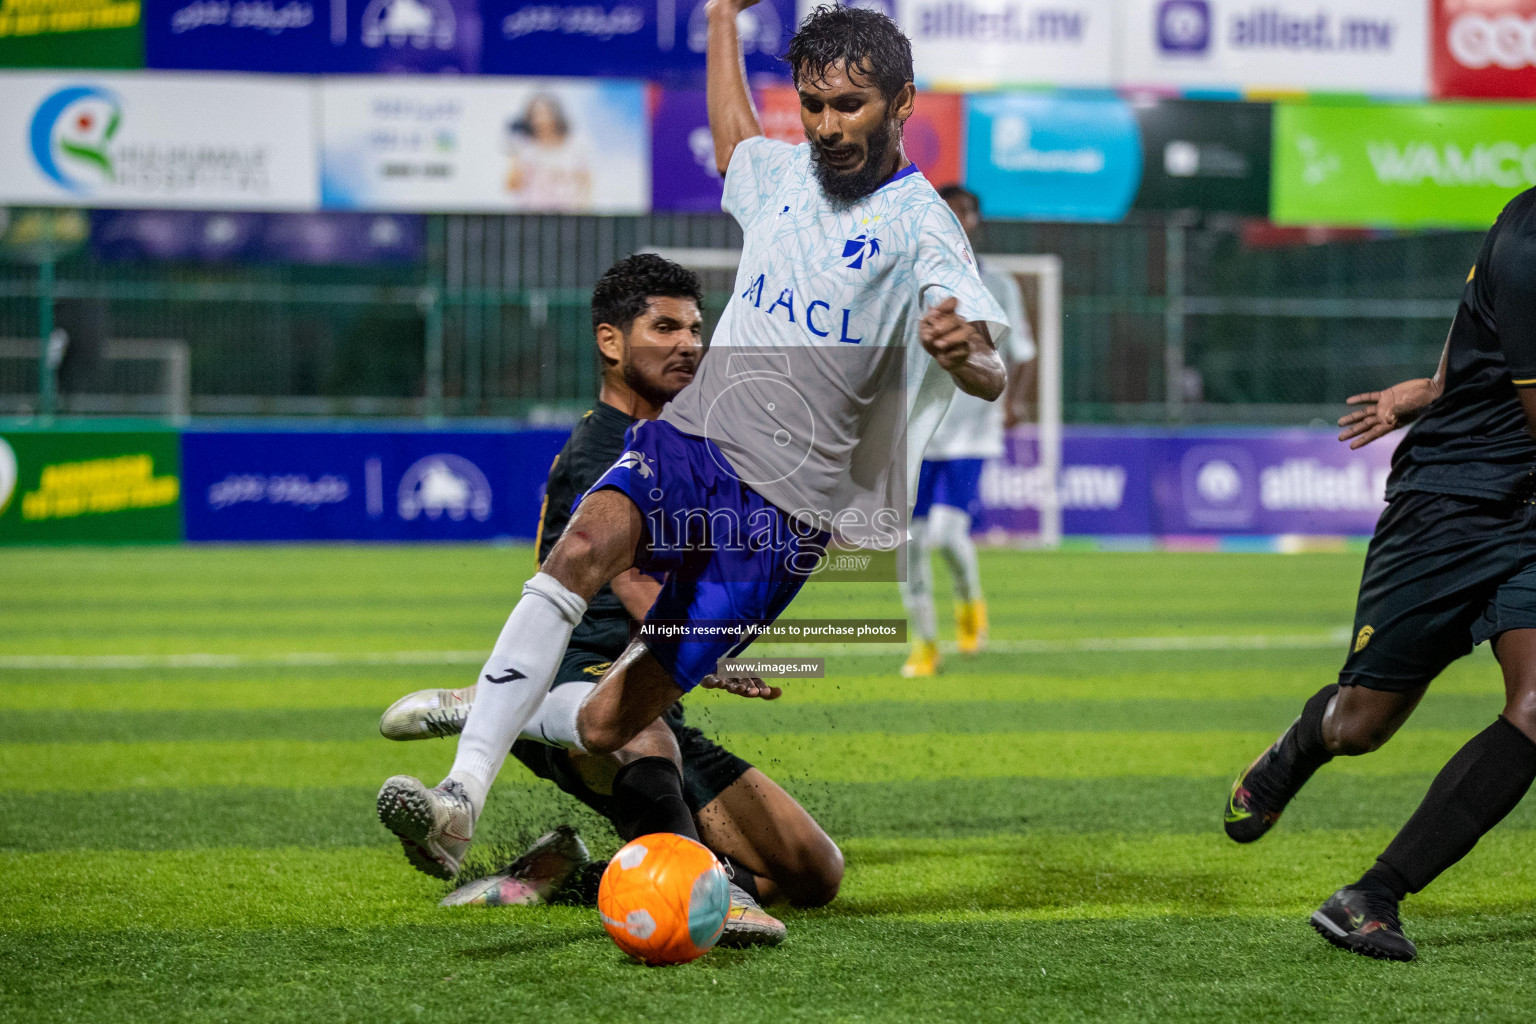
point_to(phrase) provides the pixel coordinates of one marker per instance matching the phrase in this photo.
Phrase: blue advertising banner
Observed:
(1141, 483)
(1105, 485)
(365, 486)
(312, 36)
(1045, 157)
(313, 238)
(1270, 482)
(661, 40)
(467, 486)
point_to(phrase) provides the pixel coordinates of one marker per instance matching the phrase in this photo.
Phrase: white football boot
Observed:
(434, 826)
(426, 714)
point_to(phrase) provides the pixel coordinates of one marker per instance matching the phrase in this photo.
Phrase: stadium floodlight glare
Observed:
(1039, 277)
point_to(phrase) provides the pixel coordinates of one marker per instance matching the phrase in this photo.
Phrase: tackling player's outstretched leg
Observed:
(1449, 567)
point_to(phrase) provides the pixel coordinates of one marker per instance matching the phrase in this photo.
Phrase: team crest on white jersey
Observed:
(861, 247)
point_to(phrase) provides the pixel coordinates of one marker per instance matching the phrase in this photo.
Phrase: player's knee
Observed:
(601, 734)
(603, 737)
(817, 877)
(1351, 737)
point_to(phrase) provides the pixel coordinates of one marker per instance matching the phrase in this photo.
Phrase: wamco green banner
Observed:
(1448, 165)
(63, 487)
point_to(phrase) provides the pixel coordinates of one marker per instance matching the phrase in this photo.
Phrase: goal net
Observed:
(1020, 499)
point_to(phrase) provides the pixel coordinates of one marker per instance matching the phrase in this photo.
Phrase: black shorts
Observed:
(1444, 573)
(708, 768)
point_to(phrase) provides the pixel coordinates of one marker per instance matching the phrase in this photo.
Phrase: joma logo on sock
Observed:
(511, 676)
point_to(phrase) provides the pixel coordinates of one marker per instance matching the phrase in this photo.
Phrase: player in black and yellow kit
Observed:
(1452, 564)
(646, 321)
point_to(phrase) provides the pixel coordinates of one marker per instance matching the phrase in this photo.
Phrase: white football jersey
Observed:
(973, 428)
(817, 354)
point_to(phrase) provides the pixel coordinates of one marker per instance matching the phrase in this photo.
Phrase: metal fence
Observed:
(1164, 321)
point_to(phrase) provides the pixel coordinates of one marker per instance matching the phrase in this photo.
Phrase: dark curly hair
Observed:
(627, 287)
(860, 39)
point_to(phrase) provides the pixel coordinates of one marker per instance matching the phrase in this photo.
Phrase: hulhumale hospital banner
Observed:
(146, 140)
(1449, 165)
(1141, 483)
(492, 145)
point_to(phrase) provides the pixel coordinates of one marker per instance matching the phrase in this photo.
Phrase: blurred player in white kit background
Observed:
(948, 488)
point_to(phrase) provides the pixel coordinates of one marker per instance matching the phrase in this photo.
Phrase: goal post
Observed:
(1039, 278)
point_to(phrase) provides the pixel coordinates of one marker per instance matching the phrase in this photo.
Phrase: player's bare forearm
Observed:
(964, 350)
(732, 118)
(982, 373)
(1382, 412)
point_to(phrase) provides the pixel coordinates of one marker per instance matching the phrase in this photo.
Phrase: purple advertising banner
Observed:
(1275, 482)
(1105, 485)
(683, 174)
(313, 238)
(1140, 483)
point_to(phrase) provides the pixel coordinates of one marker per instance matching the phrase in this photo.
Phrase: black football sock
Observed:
(648, 797)
(1302, 748)
(1472, 793)
(743, 877)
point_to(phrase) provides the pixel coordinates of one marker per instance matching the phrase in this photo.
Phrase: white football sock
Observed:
(917, 591)
(555, 721)
(951, 533)
(514, 681)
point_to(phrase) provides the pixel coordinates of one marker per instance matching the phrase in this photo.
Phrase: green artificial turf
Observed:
(1030, 836)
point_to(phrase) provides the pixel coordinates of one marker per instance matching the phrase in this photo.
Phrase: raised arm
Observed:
(732, 118)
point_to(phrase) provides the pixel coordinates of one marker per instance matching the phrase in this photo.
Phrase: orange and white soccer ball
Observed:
(664, 899)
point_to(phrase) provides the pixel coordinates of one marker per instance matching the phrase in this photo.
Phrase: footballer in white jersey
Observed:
(858, 312)
(949, 484)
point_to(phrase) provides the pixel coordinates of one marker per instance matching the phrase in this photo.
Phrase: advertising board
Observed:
(157, 140)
